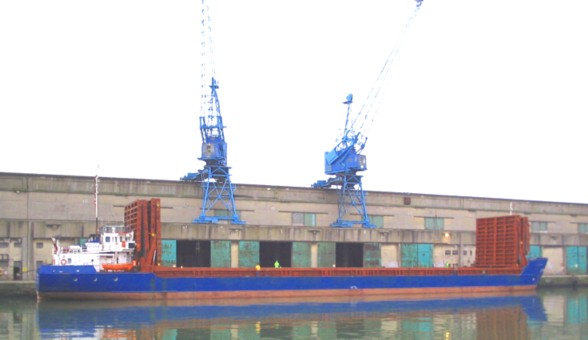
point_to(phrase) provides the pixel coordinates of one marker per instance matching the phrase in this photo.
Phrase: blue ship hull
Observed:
(73, 282)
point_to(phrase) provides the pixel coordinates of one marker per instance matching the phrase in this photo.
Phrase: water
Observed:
(548, 314)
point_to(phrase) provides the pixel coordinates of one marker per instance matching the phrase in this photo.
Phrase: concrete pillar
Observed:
(234, 254)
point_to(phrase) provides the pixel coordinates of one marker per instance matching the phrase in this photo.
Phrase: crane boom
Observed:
(345, 160)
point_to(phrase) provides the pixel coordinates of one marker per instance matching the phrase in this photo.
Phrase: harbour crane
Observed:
(218, 200)
(345, 160)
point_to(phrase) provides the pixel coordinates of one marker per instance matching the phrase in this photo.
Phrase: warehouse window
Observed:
(538, 226)
(583, 228)
(39, 245)
(434, 223)
(3, 244)
(377, 220)
(304, 219)
(224, 213)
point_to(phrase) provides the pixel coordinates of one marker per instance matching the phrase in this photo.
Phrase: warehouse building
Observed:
(289, 224)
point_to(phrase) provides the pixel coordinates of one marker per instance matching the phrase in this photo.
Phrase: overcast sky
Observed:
(485, 98)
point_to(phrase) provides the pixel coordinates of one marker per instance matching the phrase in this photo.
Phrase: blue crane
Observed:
(345, 160)
(218, 201)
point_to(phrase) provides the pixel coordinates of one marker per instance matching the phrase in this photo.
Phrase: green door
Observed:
(372, 257)
(220, 254)
(168, 253)
(248, 254)
(417, 255)
(582, 259)
(425, 254)
(301, 255)
(326, 254)
(409, 253)
(576, 260)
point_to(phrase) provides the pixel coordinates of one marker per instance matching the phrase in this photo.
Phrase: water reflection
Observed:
(561, 313)
(503, 316)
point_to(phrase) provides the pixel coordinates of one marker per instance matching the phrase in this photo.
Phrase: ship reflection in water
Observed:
(488, 317)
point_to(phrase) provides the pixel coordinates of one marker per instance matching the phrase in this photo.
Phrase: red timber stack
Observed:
(144, 218)
(502, 242)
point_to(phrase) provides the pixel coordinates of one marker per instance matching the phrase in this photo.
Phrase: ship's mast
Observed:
(96, 180)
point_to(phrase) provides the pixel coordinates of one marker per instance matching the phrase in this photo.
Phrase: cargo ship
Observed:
(123, 263)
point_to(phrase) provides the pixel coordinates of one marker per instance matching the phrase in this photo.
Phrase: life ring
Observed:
(63, 261)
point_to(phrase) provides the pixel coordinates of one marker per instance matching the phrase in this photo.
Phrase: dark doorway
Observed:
(269, 252)
(16, 275)
(349, 255)
(193, 253)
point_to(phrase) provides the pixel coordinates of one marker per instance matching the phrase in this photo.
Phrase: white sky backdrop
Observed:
(485, 98)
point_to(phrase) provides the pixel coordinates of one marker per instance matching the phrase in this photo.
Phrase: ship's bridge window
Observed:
(583, 228)
(107, 239)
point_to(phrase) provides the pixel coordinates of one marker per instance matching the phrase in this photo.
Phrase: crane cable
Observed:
(374, 98)
(207, 68)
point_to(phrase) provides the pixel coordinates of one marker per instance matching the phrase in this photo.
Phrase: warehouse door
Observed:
(349, 255)
(301, 255)
(417, 255)
(193, 253)
(168, 253)
(576, 260)
(270, 252)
